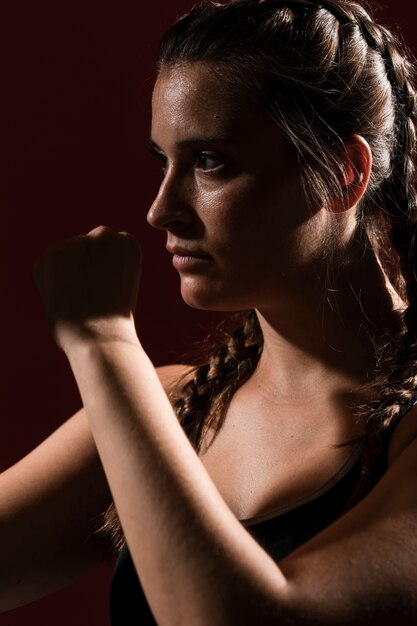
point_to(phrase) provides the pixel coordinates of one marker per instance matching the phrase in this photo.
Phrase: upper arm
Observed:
(50, 507)
(404, 435)
(363, 568)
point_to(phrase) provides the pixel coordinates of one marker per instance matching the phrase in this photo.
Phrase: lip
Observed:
(187, 258)
(187, 252)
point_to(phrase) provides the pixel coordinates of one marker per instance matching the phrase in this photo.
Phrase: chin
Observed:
(211, 300)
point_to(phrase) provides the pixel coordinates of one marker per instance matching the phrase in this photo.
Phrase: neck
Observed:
(328, 337)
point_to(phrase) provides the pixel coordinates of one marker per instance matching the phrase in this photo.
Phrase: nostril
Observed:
(158, 213)
(173, 204)
(165, 220)
(165, 212)
(159, 218)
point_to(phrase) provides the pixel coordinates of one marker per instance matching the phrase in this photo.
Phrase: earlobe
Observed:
(357, 170)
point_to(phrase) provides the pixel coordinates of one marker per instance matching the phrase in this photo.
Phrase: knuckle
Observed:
(99, 231)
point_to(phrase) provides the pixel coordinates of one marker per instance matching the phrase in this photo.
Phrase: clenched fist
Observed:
(89, 284)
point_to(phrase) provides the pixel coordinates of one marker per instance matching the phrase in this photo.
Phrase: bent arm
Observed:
(50, 506)
(196, 562)
(363, 568)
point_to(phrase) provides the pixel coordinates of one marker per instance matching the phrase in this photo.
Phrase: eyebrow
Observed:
(197, 141)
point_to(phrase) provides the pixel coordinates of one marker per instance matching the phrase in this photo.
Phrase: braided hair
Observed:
(324, 70)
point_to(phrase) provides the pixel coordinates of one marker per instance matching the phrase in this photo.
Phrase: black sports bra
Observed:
(278, 535)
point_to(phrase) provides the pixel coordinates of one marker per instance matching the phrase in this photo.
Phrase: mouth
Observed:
(187, 259)
(187, 252)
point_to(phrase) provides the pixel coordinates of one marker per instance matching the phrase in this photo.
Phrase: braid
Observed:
(232, 353)
(201, 404)
(392, 209)
(397, 191)
(324, 70)
(398, 199)
(341, 73)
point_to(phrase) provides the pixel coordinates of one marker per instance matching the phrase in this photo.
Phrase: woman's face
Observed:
(231, 199)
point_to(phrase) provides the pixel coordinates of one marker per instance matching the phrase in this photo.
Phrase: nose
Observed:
(172, 205)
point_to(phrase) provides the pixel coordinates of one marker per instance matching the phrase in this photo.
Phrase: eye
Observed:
(208, 161)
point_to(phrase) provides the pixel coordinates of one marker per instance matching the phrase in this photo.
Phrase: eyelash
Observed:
(200, 156)
(208, 155)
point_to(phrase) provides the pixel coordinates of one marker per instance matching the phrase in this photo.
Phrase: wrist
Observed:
(71, 337)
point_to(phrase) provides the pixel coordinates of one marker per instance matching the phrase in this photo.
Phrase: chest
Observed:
(266, 464)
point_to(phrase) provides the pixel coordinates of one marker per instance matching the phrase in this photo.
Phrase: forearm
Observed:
(196, 562)
(50, 509)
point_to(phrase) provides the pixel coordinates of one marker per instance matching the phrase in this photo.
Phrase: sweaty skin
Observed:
(243, 209)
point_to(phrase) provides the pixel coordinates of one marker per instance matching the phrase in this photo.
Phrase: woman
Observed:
(286, 490)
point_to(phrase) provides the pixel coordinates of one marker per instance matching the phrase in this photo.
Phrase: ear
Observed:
(357, 170)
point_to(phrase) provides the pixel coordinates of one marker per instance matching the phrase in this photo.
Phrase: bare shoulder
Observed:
(404, 435)
(398, 486)
(364, 564)
(173, 375)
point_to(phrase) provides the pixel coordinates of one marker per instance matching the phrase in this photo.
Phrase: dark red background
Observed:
(77, 84)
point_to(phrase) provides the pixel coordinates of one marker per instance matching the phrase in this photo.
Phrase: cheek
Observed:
(259, 213)
(231, 208)
(255, 224)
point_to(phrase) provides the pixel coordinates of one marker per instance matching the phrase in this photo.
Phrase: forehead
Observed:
(194, 99)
